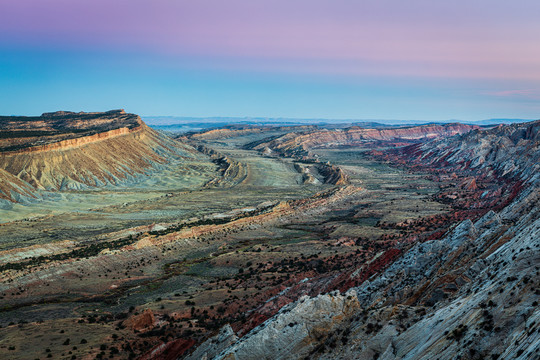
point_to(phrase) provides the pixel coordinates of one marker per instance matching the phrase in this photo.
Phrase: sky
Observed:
(337, 59)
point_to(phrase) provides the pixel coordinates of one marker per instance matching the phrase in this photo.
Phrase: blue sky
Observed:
(339, 60)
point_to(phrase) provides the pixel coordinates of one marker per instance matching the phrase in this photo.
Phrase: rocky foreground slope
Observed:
(65, 150)
(472, 294)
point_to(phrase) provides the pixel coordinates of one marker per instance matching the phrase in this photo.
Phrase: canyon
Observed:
(471, 294)
(267, 242)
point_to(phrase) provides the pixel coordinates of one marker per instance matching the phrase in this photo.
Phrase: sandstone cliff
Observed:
(19, 132)
(59, 151)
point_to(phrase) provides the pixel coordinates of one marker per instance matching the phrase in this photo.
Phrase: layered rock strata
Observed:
(60, 151)
(300, 145)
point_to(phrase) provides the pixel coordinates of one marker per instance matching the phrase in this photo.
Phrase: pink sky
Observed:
(433, 38)
(476, 41)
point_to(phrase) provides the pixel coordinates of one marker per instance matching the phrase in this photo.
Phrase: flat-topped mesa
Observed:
(59, 113)
(72, 113)
(67, 150)
(21, 132)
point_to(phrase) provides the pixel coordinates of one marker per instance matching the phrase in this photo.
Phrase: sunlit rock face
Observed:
(64, 150)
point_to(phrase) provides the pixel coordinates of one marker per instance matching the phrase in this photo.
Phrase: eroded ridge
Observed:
(472, 293)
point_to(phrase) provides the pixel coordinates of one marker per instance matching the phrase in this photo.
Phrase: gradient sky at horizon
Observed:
(339, 59)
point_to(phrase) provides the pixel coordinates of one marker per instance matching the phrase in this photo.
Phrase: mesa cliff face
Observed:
(23, 132)
(471, 294)
(64, 150)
